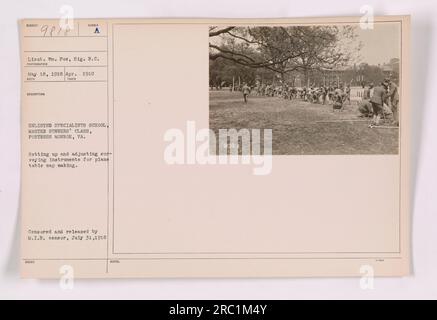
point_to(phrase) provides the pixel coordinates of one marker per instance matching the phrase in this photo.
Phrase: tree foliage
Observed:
(284, 49)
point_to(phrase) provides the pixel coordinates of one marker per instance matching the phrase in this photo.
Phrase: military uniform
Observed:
(394, 99)
(378, 98)
(365, 108)
(246, 91)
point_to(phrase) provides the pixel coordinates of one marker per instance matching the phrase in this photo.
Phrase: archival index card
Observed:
(215, 147)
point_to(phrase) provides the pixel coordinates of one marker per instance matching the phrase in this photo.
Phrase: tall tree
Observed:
(284, 49)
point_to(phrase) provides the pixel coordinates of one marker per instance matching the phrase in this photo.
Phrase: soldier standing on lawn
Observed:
(378, 99)
(246, 91)
(394, 101)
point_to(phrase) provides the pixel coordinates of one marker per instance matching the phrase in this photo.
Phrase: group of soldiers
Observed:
(381, 101)
(378, 102)
(334, 95)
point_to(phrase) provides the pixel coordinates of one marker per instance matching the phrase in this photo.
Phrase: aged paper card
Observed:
(215, 147)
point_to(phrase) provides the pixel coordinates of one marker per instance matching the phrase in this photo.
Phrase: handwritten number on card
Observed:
(51, 31)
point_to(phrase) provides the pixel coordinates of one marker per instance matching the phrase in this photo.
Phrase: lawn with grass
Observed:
(301, 127)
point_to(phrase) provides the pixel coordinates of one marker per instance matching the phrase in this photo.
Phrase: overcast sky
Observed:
(380, 44)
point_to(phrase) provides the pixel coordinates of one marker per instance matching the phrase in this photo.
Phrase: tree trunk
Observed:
(306, 77)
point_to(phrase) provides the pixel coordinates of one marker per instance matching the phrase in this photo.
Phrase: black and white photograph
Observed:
(321, 89)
